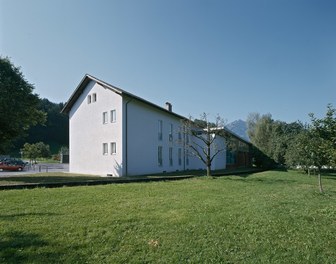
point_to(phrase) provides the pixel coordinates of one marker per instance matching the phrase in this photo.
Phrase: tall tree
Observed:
(18, 105)
(260, 131)
(299, 151)
(201, 138)
(271, 138)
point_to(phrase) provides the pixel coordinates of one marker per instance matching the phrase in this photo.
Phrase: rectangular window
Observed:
(170, 156)
(179, 136)
(187, 157)
(105, 149)
(160, 155)
(113, 147)
(113, 116)
(179, 156)
(104, 117)
(94, 97)
(171, 132)
(160, 130)
(89, 99)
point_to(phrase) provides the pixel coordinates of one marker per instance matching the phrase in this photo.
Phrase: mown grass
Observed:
(268, 217)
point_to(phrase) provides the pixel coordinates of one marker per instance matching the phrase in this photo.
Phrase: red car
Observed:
(10, 167)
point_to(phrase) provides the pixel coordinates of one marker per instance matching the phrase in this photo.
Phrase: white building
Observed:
(115, 133)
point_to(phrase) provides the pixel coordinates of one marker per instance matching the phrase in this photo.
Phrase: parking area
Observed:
(38, 168)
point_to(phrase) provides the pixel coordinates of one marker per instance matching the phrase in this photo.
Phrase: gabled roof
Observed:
(88, 78)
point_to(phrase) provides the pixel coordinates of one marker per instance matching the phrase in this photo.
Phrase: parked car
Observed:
(12, 164)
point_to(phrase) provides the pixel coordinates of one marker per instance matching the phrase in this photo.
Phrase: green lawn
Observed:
(268, 217)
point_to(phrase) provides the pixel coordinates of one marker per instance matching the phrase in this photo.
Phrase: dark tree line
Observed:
(55, 131)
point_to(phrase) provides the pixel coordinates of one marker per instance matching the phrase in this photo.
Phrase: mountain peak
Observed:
(239, 127)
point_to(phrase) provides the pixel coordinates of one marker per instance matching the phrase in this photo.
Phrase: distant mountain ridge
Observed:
(239, 127)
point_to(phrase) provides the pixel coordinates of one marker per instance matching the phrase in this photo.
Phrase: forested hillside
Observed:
(55, 132)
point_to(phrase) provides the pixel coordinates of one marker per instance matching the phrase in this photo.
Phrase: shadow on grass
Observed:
(24, 247)
(14, 217)
(330, 176)
(46, 179)
(272, 181)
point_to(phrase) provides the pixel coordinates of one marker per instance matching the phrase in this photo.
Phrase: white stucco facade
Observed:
(114, 133)
(88, 132)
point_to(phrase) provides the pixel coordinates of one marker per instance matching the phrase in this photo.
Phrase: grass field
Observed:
(268, 217)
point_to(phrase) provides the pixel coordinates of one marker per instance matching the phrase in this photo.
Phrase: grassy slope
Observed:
(269, 217)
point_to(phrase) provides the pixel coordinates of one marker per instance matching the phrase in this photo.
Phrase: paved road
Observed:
(38, 168)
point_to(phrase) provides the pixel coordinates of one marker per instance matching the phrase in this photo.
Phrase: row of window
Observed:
(113, 148)
(113, 116)
(92, 98)
(179, 155)
(171, 131)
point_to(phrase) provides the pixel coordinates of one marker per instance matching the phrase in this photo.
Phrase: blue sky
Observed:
(227, 57)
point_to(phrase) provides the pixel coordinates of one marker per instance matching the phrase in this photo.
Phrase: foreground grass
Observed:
(269, 217)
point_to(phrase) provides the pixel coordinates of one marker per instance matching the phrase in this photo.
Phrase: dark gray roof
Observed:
(88, 78)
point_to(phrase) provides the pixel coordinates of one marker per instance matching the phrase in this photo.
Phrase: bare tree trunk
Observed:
(208, 151)
(208, 170)
(320, 181)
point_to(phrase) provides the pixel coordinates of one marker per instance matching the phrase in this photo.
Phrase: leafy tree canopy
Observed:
(37, 150)
(18, 105)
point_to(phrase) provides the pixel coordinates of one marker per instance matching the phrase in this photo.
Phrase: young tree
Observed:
(37, 150)
(323, 133)
(30, 151)
(201, 138)
(299, 151)
(18, 104)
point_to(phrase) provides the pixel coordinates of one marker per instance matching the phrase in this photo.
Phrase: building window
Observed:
(179, 136)
(89, 99)
(113, 147)
(179, 156)
(104, 117)
(170, 156)
(231, 157)
(187, 157)
(113, 116)
(171, 132)
(94, 97)
(160, 155)
(160, 130)
(105, 149)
